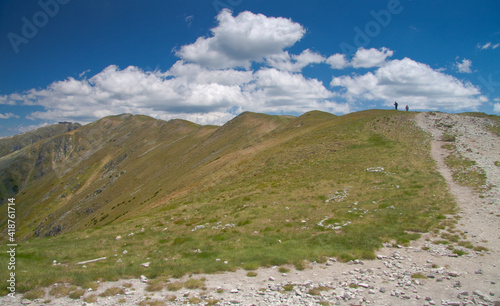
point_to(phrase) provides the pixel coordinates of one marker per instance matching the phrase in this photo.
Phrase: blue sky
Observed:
(208, 60)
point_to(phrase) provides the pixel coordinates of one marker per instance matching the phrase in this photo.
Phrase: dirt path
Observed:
(421, 274)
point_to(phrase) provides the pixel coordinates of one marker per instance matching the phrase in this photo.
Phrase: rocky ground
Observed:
(423, 273)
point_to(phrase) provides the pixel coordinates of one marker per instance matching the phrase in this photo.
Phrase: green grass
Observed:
(262, 207)
(465, 171)
(112, 292)
(194, 283)
(34, 294)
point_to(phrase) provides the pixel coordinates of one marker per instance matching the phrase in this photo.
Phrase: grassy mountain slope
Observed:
(260, 190)
(14, 169)
(17, 142)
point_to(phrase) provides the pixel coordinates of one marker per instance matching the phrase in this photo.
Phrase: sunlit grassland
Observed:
(313, 192)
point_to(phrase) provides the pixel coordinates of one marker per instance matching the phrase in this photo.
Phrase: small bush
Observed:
(252, 274)
(283, 270)
(418, 276)
(59, 291)
(212, 302)
(481, 248)
(448, 138)
(194, 283)
(156, 286)
(317, 291)
(288, 287)
(194, 300)
(91, 285)
(301, 265)
(112, 292)
(175, 286)
(459, 252)
(34, 294)
(77, 294)
(90, 299)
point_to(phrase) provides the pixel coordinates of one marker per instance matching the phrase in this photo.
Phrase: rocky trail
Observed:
(423, 273)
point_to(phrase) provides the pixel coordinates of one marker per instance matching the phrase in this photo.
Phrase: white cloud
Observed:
(237, 41)
(295, 63)
(363, 58)
(412, 83)
(487, 46)
(8, 116)
(337, 61)
(279, 91)
(187, 91)
(83, 73)
(368, 58)
(194, 73)
(496, 106)
(464, 66)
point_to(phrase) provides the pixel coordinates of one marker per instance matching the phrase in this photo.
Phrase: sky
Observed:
(207, 61)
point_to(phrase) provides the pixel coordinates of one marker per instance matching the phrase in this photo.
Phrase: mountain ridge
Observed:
(260, 190)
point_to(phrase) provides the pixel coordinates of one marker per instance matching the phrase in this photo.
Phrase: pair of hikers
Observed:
(396, 106)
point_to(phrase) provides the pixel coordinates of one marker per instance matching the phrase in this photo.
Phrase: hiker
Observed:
(407, 108)
(395, 105)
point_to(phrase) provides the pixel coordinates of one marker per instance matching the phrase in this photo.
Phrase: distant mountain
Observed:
(114, 167)
(17, 142)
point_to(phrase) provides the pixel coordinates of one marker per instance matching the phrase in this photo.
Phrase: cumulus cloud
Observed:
(363, 58)
(337, 61)
(296, 63)
(187, 90)
(133, 90)
(464, 66)
(368, 58)
(237, 41)
(280, 91)
(496, 108)
(410, 82)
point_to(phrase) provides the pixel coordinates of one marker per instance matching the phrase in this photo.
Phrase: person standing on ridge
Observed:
(407, 108)
(395, 105)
